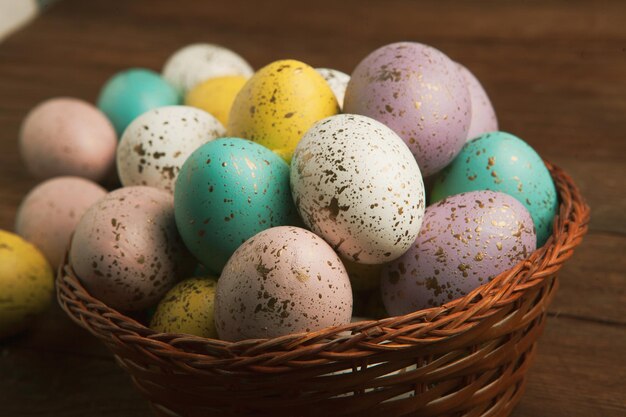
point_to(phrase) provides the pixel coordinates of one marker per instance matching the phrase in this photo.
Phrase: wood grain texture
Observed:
(554, 71)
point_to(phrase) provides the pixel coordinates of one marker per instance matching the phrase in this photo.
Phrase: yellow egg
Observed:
(363, 277)
(26, 283)
(279, 104)
(216, 95)
(187, 308)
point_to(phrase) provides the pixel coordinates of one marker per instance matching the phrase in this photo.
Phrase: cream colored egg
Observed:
(356, 184)
(198, 62)
(157, 143)
(337, 80)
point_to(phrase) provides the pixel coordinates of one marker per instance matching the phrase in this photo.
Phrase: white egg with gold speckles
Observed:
(356, 184)
(337, 80)
(155, 145)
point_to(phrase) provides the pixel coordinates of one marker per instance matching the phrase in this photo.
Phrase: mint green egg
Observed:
(227, 191)
(499, 161)
(132, 92)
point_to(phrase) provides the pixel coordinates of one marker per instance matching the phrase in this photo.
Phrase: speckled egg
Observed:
(187, 308)
(26, 283)
(216, 95)
(198, 62)
(228, 190)
(337, 81)
(356, 184)
(283, 280)
(483, 115)
(499, 161)
(132, 92)
(418, 92)
(279, 104)
(50, 212)
(465, 241)
(67, 136)
(126, 250)
(157, 143)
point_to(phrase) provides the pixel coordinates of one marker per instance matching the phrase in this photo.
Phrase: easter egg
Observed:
(356, 184)
(279, 104)
(187, 308)
(198, 62)
(155, 145)
(227, 191)
(132, 92)
(126, 250)
(418, 92)
(337, 81)
(50, 212)
(483, 115)
(500, 161)
(26, 283)
(216, 95)
(283, 280)
(465, 241)
(67, 136)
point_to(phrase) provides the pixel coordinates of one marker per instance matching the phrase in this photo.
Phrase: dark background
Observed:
(555, 72)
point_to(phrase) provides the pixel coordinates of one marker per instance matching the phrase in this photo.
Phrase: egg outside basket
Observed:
(467, 358)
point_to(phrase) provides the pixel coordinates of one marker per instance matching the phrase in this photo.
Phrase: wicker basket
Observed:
(467, 358)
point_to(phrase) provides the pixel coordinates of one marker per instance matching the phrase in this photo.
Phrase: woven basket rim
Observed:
(423, 329)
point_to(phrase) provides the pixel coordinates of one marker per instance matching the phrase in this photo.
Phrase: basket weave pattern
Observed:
(466, 358)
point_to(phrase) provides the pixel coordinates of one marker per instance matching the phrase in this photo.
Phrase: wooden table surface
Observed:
(555, 71)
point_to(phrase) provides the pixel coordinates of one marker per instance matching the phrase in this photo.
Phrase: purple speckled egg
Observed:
(483, 115)
(67, 136)
(465, 241)
(418, 92)
(126, 249)
(50, 212)
(283, 280)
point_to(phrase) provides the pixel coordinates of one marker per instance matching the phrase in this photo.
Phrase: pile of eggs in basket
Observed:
(259, 204)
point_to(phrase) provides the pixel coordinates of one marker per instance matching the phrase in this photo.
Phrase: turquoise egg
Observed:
(133, 92)
(227, 191)
(499, 161)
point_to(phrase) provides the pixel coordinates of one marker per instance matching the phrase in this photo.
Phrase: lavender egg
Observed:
(283, 280)
(465, 241)
(418, 92)
(126, 250)
(483, 115)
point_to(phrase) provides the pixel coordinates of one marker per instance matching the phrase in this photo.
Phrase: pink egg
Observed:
(67, 136)
(282, 280)
(465, 241)
(483, 115)
(50, 212)
(418, 92)
(126, 249)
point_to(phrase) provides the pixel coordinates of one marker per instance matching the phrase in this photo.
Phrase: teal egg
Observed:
(499, 161)
(227, 191)
(133, 92)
